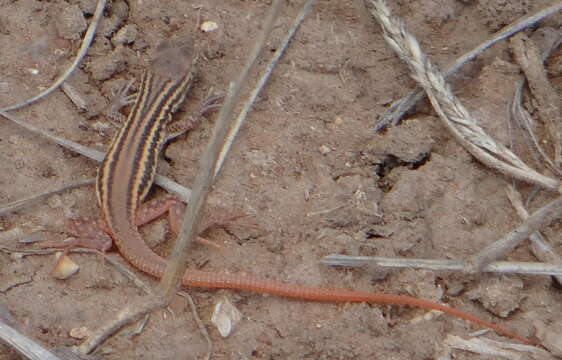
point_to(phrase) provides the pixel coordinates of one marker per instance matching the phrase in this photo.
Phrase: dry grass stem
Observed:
(68, 144)
(496, 349)
(17, 205)
(451, 111)
(261, 84)
(522, 117)
(28, 348)
(182, 192)
(498, 249)
(402, 106)
(81, 53)
(177, 263)
(199, 322)
(505, 267)
(548, 103)
(131, 313)
(540, 247)
(547, 42)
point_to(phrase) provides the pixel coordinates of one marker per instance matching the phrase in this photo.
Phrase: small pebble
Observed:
(126, 35)
(226, 317)
(208, 26)
(65, 267)
(79, 333)
(324, 149)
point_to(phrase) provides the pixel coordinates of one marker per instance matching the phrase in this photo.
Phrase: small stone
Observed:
(72, 23)
(226, 317)
(101, 127)
(208, 26)
(126, 35)
(155, 234)
(79, 333)
(307, 195)
(65, 267)
(324, 149)
(381, 231)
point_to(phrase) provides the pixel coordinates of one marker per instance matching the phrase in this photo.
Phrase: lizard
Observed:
(126, 176)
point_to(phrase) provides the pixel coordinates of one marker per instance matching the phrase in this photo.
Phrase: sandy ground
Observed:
(306, 168)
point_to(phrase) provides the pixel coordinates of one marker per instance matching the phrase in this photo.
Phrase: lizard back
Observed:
(127, 172)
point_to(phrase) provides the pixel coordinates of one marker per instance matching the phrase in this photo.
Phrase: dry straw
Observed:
(452, 113)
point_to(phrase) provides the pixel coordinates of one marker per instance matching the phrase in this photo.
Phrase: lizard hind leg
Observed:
(89, 234)
(175, 208)
(221, 218)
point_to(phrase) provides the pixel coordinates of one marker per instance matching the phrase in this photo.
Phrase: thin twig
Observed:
(24, 345)
(131, 313)
(548, 103)
(327, 211)
(451, 111)
(90, 33)
(167, 183)
(508, 267)
(497, 350)
(124, 270)
(261, 83)
(540, 247)
(16, 205)
(110, 259)
(400, 107)
(177, 264)
(498, 249)
(520, 115)
(69, 144)
(199, 322)
(7, 286)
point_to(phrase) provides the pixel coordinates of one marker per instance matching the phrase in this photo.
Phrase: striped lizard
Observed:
(126, 175)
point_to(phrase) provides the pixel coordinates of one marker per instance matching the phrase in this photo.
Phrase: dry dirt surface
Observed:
(306, 168)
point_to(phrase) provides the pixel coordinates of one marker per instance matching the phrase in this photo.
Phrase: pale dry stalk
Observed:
(450, 110)
(529, 59)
